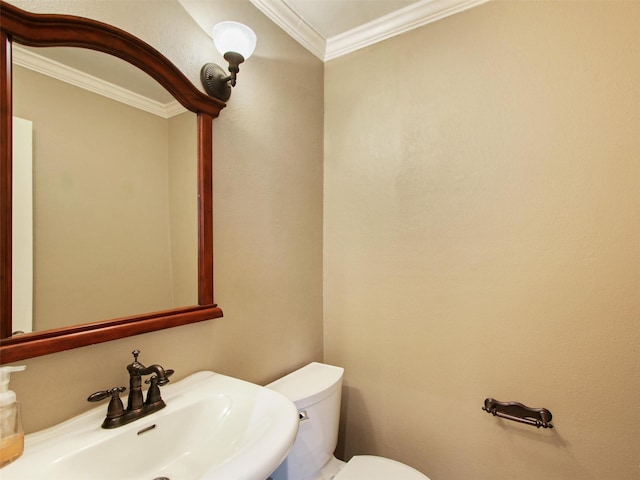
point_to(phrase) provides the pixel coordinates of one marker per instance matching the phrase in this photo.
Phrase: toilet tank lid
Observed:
(309, 384)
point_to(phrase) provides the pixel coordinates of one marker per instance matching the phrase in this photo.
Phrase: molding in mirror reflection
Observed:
(101, 74)
(36, 30)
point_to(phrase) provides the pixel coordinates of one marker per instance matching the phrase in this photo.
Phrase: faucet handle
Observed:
(115, 408)
(167, 374)
(102, 394)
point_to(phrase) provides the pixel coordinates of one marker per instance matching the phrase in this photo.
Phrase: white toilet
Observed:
(316, 390)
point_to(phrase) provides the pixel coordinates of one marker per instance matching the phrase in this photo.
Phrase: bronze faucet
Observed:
(137, 407)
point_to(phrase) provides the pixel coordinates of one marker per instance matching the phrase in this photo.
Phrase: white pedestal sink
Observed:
(214, 427)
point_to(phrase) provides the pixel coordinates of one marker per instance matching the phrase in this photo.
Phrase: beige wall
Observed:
(267, 214)
(482, 238)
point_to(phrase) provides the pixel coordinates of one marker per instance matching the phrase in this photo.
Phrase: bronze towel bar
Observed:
(538, 417)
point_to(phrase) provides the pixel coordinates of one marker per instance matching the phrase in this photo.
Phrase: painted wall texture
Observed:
(482, 238)
(267, 215)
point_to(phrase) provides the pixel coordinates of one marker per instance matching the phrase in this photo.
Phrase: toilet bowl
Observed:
(316, 390)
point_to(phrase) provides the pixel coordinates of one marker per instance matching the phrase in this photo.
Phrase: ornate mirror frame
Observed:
(42, 30)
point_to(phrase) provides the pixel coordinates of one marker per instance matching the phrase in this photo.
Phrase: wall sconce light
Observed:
(236, 42)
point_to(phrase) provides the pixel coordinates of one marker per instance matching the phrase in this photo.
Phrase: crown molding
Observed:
(282, 15)
(27, 59)
(396, 23)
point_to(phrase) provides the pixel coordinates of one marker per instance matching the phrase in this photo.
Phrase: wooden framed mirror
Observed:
(52, 30)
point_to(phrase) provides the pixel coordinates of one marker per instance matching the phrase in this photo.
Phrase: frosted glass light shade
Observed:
(234, 37)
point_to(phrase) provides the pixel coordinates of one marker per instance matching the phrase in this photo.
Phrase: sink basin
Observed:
(214, 427)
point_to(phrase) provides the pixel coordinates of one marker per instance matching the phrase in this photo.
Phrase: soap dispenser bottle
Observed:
(11, 433)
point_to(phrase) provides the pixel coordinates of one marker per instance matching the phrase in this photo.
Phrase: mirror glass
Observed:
(114, 191)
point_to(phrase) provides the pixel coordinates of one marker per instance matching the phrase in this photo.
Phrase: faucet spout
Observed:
(163, 376)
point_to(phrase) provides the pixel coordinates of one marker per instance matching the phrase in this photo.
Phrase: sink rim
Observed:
(84, 430)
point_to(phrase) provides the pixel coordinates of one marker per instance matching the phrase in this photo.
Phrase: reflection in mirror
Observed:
(114, 190)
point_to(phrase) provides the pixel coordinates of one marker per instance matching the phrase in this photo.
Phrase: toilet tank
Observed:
(316, 390)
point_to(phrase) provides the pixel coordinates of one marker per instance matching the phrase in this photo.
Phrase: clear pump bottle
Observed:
(11, 433)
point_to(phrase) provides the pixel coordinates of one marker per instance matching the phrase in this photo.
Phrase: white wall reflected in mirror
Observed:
(22, 272)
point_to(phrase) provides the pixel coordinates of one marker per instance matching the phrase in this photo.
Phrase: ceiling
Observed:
(332, 28)
(332, 17)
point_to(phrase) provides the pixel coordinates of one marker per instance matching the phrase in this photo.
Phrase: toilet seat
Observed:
(370, 467)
